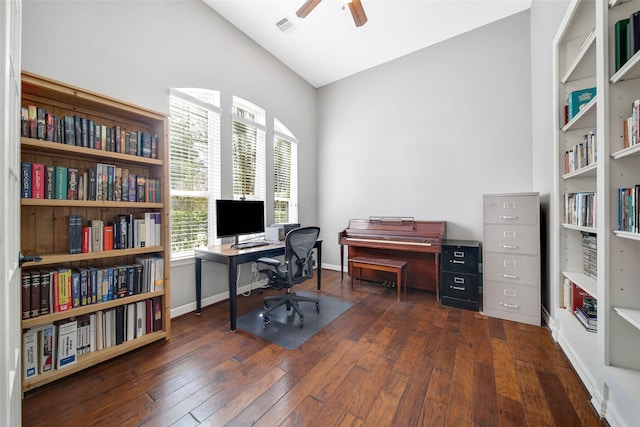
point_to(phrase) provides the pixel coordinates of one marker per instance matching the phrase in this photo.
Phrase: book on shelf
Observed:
(634, 34)
(33, 121)
(61, 182)
(29, 354)
(584, 321)
(40, 123)
(24, 122)
(67, 343)
(26, 294)
(50, 182)
(35, 293)
(578, 99)
(26, 180)
(46, 347)
(37, 181)
(621, 36)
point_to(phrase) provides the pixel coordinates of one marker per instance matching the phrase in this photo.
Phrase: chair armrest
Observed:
(269, 261)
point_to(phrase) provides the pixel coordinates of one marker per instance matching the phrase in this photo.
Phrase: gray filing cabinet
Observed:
(511, 256)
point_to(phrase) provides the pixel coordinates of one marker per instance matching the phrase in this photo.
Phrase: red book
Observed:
(86, 240)
(37, 181)
(577, 297)
(107, 240)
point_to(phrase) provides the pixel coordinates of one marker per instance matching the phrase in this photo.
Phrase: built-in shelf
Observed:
(627, 235)
(585, 118)
(585, 62)
(629, 71)
(589, 170)
(584, 282)
(66, 258)
(580, 228)
(634, 150)
(630, 315)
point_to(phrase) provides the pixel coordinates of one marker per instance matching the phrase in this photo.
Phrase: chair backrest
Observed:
(299, 253)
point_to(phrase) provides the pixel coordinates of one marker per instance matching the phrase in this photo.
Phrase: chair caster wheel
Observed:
(265, 305)
(318, 307)
(266, 321)
(301, 322)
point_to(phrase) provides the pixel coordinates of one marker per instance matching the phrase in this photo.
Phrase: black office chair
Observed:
(296, 267)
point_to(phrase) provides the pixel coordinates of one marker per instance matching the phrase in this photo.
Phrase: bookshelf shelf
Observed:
(583, 281)
(585, 61)
(46, 224)
(585, 118)
(90, 204)
(51, 259)
(49, 318)
(630, 315)
(39, 146)
(629, 71)
(88, 360)
(585, 171)
(634, 150)
(580, 228)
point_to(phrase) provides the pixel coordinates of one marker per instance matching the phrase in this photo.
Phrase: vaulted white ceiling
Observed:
(326, 46)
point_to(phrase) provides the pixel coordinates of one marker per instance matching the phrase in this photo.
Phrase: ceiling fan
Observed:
(355, 6)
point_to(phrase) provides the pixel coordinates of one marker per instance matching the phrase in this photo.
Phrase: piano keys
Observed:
(401, 238)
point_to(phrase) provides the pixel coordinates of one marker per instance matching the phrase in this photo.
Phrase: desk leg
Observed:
(233, 268)
(198, 285)
(319, 264)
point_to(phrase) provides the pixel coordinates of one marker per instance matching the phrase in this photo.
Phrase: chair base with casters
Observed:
(296, 267)
(291, 300)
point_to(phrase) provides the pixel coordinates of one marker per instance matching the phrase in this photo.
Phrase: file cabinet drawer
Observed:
(512, 268)
(513, 298)
(517, 239)
(457, 285)
(461, 259)
(511, 210)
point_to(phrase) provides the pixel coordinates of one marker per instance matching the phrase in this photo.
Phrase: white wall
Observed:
(428, 134)
(137, 50)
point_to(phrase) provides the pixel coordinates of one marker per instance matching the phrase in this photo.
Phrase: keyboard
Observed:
(247, 245)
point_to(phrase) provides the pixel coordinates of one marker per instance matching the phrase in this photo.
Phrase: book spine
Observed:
(61, 183)
(41, 123)
(72, 183)
(37, 181)
(33, 121)
(45, 283)
(24, 122)
(26, 180)
(26, 294)
(35, 293)
(50, 182)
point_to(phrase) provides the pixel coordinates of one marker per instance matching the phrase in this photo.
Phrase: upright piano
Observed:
(417, 242)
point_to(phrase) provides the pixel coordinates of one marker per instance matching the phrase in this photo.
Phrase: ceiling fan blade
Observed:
(357, 11)
(307, 7)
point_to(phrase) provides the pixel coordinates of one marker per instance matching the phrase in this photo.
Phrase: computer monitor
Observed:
(238, 217)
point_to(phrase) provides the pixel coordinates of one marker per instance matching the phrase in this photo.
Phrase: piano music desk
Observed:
(393, 266)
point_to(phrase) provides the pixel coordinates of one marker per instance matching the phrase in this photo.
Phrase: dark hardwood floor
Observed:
(382, 363)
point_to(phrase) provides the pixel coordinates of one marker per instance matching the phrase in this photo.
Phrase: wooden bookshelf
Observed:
(45, 222)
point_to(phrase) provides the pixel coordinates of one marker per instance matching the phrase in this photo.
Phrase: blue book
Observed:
(26, 180)
(75, 289)
(94, 285)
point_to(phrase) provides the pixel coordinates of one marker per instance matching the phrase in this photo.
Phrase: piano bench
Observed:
(378, 264)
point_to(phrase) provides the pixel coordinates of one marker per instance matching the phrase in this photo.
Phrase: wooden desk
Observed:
(224, 254)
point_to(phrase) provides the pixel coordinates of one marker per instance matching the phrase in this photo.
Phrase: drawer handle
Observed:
(458, 254)
(509, 205)
(458, 288)
(509, 305)
(456, 261)
(508, 276)
(508, 217)
(458, 280)
(509, 246)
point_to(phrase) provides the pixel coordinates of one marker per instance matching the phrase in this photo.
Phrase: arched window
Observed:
(249, 150)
